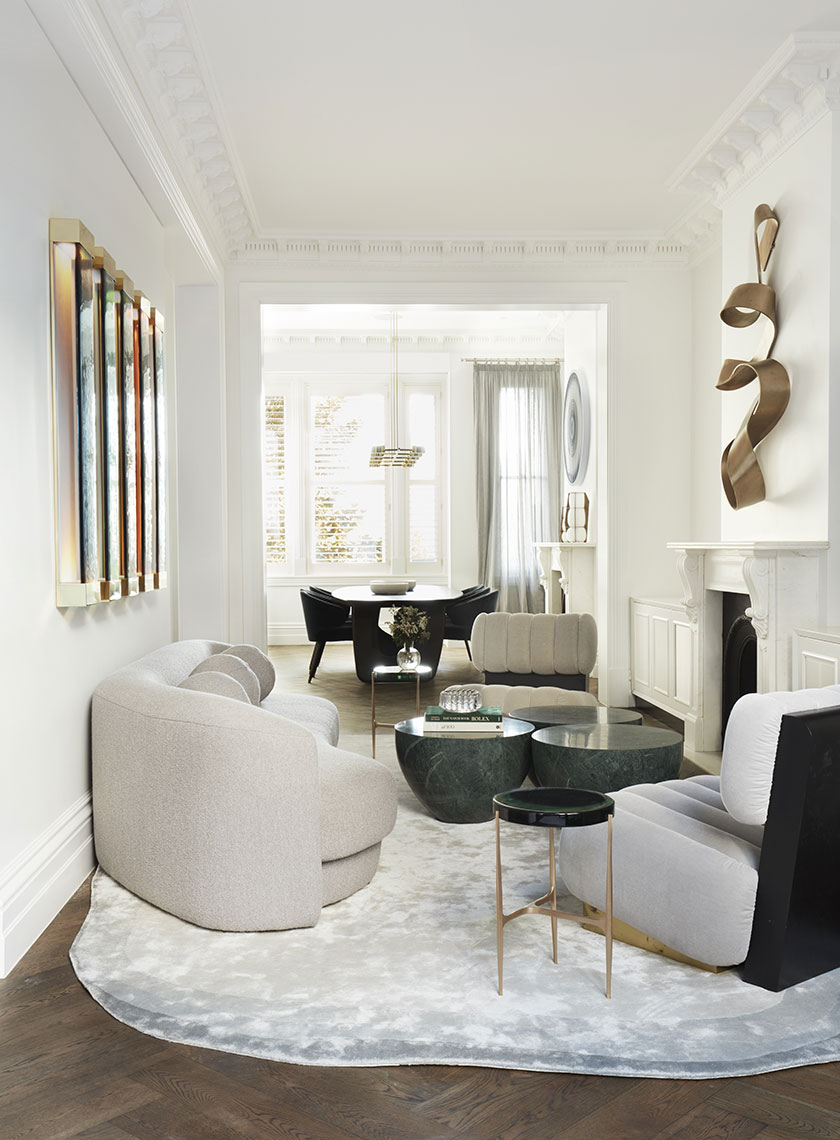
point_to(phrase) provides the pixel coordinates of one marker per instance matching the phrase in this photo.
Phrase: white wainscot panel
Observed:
(683, 662)
(641, 648)
(665, 658)
(659, 653)
(816, 658)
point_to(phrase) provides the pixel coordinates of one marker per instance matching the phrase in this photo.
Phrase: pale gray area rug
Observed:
(404, 972)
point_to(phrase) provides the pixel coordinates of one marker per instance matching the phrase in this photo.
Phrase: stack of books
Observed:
(484, 720)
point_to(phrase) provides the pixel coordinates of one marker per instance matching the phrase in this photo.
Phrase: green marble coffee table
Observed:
(455, 777)
(545, 716)
(605, 757)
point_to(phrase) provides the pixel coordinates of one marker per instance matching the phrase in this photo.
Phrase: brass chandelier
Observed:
(394, 455)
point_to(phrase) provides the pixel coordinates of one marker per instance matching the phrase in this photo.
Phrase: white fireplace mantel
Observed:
(681, 645)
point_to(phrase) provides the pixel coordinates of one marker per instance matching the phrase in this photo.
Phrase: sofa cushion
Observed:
(259, 663)
(358, 801)
(234, 667)
(749, 747)
(317, 714)
(219, 684)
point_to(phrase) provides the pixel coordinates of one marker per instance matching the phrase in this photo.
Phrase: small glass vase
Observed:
(408, 658)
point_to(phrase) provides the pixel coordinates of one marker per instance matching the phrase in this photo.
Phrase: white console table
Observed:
(567, 574)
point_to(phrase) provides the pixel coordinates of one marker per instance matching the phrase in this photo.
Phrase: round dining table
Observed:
(372, 645)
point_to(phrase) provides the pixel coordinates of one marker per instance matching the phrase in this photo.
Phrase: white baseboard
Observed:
(36, 885)
(287, 633)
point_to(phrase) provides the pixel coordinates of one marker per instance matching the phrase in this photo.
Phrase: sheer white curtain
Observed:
(518, 420)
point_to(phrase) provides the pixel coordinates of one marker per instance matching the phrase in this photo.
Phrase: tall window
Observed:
(325, 508)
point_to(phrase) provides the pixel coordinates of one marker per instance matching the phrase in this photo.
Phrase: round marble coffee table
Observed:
(605, 757)
(455, 776)
(544, 716)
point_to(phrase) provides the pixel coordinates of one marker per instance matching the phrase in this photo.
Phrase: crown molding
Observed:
(161, 46)
(82, 41)
(794, 90)
(624, 251)
(343, 340)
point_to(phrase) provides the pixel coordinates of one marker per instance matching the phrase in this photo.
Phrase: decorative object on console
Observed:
(109, 427)
(574, 522)
(460, 698)
(408, 625)
(481, 718)
(576, 427)
(740, 471)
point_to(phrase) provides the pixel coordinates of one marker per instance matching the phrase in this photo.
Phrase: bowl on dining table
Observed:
(389, 586)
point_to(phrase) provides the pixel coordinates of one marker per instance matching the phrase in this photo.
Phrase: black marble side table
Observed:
(455, 776)
(553, 807)
(605, 757)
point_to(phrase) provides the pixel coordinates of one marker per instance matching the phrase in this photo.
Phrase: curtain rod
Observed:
(511, 360)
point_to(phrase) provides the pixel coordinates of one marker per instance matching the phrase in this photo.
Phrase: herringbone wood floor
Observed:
(67, 1069)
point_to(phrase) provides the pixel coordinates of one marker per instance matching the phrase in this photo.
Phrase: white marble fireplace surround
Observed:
(677, 644)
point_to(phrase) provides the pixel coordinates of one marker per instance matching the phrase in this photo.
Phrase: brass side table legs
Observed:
(547, 905)
(422, 673)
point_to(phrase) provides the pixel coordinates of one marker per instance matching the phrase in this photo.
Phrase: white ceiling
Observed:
(458, 117)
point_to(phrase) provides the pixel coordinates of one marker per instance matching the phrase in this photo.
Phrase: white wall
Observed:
(705, 410)
(202, 466)
(57, 163)
(795, 456)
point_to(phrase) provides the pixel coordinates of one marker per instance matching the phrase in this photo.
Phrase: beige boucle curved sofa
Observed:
(230, 815)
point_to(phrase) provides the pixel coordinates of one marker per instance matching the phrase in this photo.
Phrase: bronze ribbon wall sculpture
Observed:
(740, 472)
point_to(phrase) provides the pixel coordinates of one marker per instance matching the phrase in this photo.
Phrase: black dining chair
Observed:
(461, 613)
(326, 620)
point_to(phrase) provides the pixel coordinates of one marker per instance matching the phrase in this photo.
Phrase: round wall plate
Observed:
(576, 427)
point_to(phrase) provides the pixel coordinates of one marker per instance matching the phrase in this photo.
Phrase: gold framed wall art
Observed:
(109, 451)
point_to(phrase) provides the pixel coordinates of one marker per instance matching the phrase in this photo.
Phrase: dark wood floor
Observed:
(67, 1069)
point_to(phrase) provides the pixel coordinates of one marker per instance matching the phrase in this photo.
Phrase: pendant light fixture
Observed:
(394, 455)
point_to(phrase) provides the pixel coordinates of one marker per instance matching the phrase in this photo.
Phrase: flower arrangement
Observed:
(409, 626)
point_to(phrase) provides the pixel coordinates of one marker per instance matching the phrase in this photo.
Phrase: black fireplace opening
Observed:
(740, 653)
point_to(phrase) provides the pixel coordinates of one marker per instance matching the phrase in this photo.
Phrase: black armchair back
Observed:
(461, 613)
(326, 619)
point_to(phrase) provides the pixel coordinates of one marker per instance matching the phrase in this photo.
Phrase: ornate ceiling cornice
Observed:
(454, 251)
(305, 340)
(158, 41)
(797, 86)
(160, 45)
